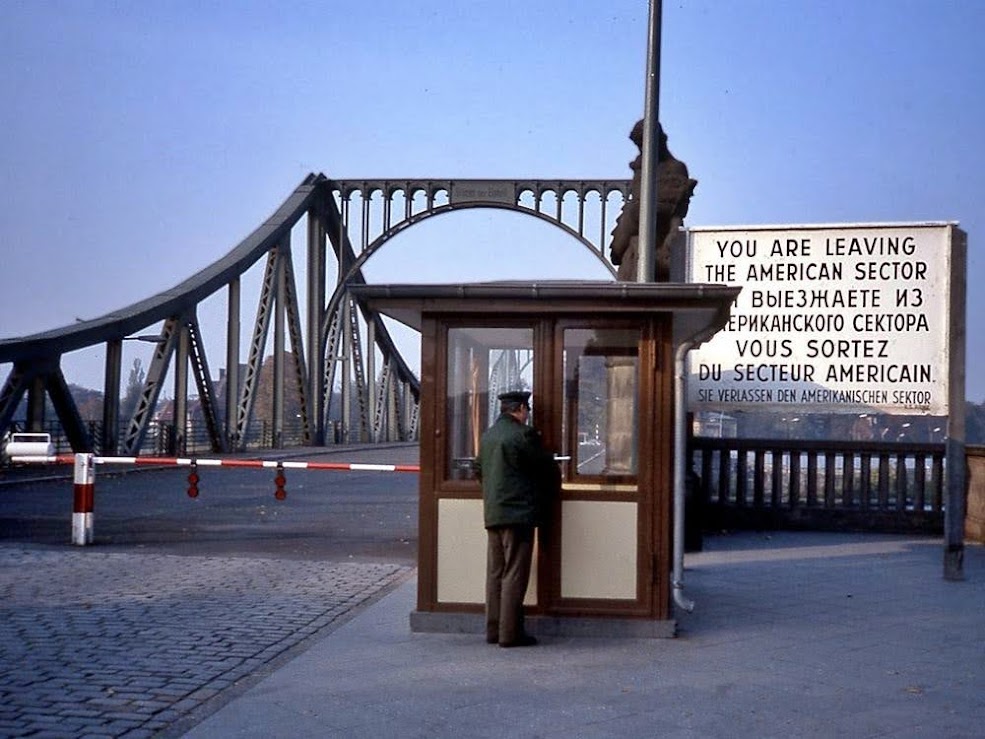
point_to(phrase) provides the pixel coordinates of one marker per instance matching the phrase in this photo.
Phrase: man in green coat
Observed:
(518, 476)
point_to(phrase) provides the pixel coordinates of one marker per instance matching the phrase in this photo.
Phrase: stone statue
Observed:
(674, 189)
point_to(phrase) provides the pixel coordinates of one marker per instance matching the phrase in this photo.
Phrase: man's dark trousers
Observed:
(507, 575)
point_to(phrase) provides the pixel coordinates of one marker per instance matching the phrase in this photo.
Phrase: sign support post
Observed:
(955, 462)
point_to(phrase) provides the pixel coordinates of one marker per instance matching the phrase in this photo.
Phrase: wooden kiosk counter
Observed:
(600, 359)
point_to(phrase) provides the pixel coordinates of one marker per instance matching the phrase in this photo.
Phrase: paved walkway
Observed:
(794, 635)
(102, 644)
(806, 635)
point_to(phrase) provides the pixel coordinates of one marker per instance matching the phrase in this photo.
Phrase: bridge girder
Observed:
(339, 332)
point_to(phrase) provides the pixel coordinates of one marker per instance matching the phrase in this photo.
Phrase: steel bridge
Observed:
(338, 344)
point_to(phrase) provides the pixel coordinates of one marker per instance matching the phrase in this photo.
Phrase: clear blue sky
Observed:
(141, 141)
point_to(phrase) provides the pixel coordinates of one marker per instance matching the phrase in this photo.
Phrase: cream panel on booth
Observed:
(462, 554)
(598, 549)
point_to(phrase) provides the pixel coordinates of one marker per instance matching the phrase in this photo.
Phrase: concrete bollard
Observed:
(84, 498)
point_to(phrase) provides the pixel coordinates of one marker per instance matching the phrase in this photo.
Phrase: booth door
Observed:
(602, 543)
(476, 360)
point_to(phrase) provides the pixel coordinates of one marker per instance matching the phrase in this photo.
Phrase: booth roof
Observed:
(697, 308)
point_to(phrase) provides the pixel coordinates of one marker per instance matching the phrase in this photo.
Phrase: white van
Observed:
(25, 444)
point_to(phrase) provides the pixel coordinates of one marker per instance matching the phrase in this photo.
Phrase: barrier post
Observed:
(84, 498)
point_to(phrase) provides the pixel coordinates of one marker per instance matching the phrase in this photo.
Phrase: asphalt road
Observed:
(327, 515)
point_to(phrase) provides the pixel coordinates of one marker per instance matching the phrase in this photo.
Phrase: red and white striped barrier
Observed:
(38, 459)
(190, 461)
(259, 463)
(85, 475)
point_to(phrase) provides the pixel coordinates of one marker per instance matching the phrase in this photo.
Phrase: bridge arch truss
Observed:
(343, 363)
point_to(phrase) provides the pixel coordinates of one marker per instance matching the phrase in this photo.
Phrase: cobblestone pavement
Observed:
(137, 644)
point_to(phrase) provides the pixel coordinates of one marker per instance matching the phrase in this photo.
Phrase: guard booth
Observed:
(599, 358)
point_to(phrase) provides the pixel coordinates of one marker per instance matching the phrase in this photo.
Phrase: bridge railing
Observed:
(818, 485)
(161, 438)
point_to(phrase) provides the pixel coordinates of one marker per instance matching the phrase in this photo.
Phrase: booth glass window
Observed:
(601, 402)
(482, 363)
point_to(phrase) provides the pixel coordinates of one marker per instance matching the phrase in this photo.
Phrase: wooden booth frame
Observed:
(609, 522)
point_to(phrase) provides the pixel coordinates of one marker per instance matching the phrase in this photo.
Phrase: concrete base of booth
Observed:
(426, 622)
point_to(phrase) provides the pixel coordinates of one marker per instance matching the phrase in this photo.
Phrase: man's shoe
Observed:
(492, 639)
(524, 641)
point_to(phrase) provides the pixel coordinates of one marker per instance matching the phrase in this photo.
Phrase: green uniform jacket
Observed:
(519, 476)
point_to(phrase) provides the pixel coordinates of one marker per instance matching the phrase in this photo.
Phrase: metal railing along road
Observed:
(871, 486)
(161, 439)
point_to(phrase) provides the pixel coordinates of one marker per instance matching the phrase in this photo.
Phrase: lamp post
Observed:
(646, 246)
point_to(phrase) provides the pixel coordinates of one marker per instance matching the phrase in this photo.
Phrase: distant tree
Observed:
(135, 386)
(88, 401)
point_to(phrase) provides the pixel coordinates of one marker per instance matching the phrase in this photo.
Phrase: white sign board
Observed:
(841, 318)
